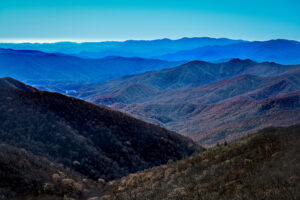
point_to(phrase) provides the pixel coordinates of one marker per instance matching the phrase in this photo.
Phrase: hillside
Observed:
(207, 102)
(129, 94)
(240, 87)
(92, 140)
(24, 175)
(222, 110)
(39, 67)
(279, 51)
(222, 121)
(262, 166)
(189, 75)
(10, 82)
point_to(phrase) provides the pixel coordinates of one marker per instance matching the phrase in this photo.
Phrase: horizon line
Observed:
(53, 41)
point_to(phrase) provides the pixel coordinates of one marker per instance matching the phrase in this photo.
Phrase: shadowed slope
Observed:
(93, 140)
(24, 175)
(17, 84)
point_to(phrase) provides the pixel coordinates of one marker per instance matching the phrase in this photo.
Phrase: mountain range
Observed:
(244, 86)
(208, 102)
(279, 51)
(162, 119)
(189, 75)
(206, 49)
(39, 67)
(129, 48)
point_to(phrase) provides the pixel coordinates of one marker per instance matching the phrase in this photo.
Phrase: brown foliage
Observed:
(263, 166)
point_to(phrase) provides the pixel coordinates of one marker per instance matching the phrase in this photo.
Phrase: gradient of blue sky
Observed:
(91, 20)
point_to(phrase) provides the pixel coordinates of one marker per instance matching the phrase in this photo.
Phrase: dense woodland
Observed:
(55, 147)
(92, 140)
(262, 166)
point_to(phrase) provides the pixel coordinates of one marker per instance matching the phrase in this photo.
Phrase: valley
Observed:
(208, 102)
(191, 118)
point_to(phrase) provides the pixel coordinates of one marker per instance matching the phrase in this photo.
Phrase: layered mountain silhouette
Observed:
(216, 92)
(203, 48)
(189, 75)
(199, 99)
(279, 51)
(219, 122)
(92, 140)
(240, 87)
(129, 48)
(36, 66)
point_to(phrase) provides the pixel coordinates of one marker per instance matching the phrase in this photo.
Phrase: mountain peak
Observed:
(197, 62)
(238, 60)
(10, 82)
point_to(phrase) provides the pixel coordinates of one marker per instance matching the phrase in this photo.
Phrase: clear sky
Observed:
(98, 20)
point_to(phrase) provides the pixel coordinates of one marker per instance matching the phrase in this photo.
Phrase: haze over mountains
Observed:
(28, 65)
(57, 66)
(189, 75)
(244, 86)
(170, 94)
(129, 48)
(279, 51)
(206, 101)
(115, 138)
(206, 49)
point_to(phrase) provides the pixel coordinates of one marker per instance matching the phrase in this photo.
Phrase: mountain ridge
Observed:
(187, 110)
(279, 51)
(190, 75)
(25, 66)
(95, 141)
(141, 48)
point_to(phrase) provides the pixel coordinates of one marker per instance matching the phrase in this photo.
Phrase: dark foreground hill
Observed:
(24, 175)
(17, 85)
(92, 140)
(262, 166)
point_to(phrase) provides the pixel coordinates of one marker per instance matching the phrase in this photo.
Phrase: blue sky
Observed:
(98, 20)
